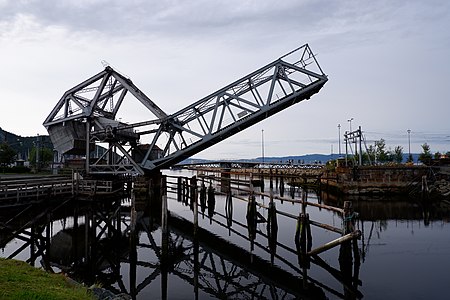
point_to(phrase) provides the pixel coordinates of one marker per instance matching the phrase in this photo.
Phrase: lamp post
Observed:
(409, 144)
(350, 121)
(37, 152)
(339, 138)
(262, 145)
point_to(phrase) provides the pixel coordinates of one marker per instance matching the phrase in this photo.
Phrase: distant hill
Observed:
(23, 145)
(295, 159)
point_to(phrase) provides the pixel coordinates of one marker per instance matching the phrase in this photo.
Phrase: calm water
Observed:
(404, 251)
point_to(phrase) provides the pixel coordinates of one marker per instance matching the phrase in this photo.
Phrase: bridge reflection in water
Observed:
(130, 246)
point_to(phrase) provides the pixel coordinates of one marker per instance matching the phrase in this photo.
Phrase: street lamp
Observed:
(350, 121)
(262, 145)
(339, 138)
(409, 144)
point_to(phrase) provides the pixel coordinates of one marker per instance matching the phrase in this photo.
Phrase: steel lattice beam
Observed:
(288, 80)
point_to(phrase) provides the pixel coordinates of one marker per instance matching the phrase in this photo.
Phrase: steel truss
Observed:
(93, 106)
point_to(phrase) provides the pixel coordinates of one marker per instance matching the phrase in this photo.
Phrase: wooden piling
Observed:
(179, 189)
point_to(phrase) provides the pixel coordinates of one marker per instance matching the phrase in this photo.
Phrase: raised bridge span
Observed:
(85, 116)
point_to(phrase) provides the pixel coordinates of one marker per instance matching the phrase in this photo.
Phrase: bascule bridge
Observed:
(86, 115)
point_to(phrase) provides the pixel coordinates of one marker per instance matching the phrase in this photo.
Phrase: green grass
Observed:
(18, 280)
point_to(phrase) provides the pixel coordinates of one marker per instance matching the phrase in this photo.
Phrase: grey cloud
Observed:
(334, 22)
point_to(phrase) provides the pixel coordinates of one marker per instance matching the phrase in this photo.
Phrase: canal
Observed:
(403, 251)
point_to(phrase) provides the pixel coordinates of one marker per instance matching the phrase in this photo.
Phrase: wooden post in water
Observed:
(179, 189)
(262, 183)
(133, 213)
(203, 195)
(271, 179)
(133, 247)
(164, 239)
(194, 202)
(276, 179)
(251, 216)
(272, 226)
(193, 189)
(229, 211)
(348, 217)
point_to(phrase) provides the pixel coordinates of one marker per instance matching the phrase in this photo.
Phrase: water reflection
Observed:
(146, 254)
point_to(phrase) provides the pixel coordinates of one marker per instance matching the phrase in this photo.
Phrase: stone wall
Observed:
(375, 179)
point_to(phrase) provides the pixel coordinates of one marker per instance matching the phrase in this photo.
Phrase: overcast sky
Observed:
(388, 63)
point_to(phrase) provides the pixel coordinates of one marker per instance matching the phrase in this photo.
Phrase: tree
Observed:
(7, 154)
(371, 153)
(397, 155)
(45, 157)
(425, 156)
(380, 151)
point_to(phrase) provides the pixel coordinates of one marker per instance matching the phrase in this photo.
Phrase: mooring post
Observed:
(251, 215)
(300, 242)
(304, 200)
(179, 189)
(164, 237)
(281, 186)
(229, 211)
(272, 226)
(133, 212)
(163, 194)
(194, 191)
(186, 191)
(271, 179)
(195, 203)
(262, 183)
(203, 194)
(272, 213)
(211, 193)
(276, 179)
(348, 217)
(308, 233)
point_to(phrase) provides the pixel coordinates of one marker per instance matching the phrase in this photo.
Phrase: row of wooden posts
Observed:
(188, 190)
